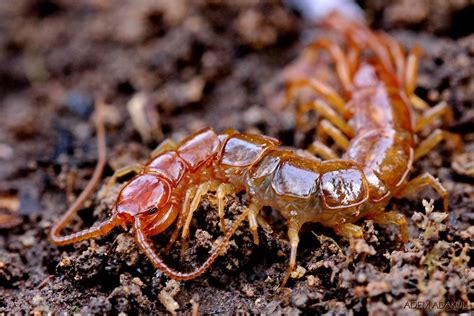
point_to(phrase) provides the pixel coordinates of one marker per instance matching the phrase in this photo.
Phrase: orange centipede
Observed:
(374, 122)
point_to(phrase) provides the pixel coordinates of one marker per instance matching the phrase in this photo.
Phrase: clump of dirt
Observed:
(194, 65)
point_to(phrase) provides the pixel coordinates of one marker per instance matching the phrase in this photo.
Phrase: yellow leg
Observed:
(452, 140)
(440, 110)
(396, 52)
(349, 231)
(320, 88)
(319, 149)
(166, 145)
(326, 112)
(202, 190)
(338, 57)
(353, 57)
(418, 103)
(136, 168)
(423, 180)
(412, 70)
(293, 235)
(387, 218)
(184, 214)
(262, 222)
(252, 217)
(409, 79)
(222, 190)
(326, 128)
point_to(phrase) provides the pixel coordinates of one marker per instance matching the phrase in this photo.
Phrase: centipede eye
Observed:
(151, 210)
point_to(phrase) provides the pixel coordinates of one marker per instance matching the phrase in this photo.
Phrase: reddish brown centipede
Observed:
(379, 140)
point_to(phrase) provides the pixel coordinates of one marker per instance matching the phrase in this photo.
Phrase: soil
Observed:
(198, 64)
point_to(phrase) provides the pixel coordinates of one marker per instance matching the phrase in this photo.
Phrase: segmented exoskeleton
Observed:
(373, 122)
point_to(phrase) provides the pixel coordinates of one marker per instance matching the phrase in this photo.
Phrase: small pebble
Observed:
(298, 273)
(79, 103)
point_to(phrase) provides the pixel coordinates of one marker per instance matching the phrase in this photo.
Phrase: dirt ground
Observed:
(198, 64)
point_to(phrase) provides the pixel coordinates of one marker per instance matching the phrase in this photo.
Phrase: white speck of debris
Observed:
(145, 117)
(315, 10)
(166, 296)
(6, 152)
(298, 273)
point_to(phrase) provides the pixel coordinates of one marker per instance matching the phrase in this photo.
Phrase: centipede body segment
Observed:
(374, 120)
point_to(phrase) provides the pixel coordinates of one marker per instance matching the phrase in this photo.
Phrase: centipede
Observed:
(374, 119)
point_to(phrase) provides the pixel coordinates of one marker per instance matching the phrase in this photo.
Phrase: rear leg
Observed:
(396, 52)
(362, 37)
(453, 141)
(429, 116)
(406, 68)
(339, 59)
(423, 180)
(410, 76)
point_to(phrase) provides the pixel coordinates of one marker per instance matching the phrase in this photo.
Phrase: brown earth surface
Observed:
(198, 64)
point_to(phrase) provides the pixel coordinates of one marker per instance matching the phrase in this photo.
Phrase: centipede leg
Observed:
(423, 180)
(349, 231)
(326, 128)
(147, 248)
(353, 58)
(440, 110)
(362, 36)
(326, 112)
(453, 141)
(388, 218)
(409, 79)
(252, 217)
(165, 146)
(396, 52)
(332, 97)
(120, 173)
(319, 149)
(222, 190)
(262, 222)
(182, 216)
(293, 236)
(338, 57)
(407, 69)
(200, 192)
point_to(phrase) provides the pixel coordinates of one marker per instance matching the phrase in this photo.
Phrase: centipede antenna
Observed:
(104, 227)
(146, 247)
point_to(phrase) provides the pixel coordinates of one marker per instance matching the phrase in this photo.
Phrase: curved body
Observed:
(374, 123)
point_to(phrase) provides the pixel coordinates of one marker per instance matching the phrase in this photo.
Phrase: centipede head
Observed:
(147, 196)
